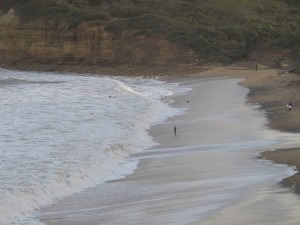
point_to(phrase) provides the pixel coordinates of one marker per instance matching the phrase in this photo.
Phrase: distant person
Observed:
(256, 66)
(175, 130)
(289, 106)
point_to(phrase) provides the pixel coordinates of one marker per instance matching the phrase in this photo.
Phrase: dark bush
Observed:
(216, 28)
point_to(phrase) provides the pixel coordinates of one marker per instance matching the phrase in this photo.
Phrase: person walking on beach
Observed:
(175, 130)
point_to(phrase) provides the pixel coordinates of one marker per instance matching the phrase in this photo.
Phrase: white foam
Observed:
(61, 134)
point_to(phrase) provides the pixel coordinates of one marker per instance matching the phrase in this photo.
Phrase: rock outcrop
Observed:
(48, 42)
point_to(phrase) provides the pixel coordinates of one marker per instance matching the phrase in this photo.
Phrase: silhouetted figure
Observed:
(256, 66)
(175, 130)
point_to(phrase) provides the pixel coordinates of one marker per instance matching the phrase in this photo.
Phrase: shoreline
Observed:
(173, 180)
(187, 177)
(272, 92)
(266, 89)
(114, 70)
(160, 170)
(290, 157)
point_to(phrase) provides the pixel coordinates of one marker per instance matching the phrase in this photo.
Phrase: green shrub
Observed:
(223, 29)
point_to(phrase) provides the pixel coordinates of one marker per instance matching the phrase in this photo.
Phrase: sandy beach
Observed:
(289, 157)
(189, 178)
(273, 91)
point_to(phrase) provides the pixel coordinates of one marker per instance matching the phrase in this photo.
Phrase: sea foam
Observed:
(63, 133)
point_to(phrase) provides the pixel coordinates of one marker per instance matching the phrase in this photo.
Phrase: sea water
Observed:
(206, 174)
(63, 133)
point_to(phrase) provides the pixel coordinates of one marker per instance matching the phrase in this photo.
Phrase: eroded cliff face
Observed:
(54, 43)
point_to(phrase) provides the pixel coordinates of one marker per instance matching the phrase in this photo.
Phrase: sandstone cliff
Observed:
(44, 42)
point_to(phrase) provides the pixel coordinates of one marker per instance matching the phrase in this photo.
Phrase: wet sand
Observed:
(173, 179)
(289, 157)
(273, 92)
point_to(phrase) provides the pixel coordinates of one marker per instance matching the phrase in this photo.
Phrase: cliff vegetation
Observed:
(208, 30)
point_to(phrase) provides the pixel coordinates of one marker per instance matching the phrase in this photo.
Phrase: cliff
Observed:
(48, 34)
(46, 42)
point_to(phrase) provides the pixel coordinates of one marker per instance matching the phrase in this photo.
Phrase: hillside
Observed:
(149, 31)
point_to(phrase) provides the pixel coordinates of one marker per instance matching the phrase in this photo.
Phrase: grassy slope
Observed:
(219, 30)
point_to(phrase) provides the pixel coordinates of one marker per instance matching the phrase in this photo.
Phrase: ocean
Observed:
(63, 133)
(82, 149)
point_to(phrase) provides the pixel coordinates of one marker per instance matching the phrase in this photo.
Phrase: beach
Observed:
(273, 91)
(210, 171)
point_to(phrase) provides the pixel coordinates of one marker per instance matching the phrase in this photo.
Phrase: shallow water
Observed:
(207, 174)
(63, 133)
